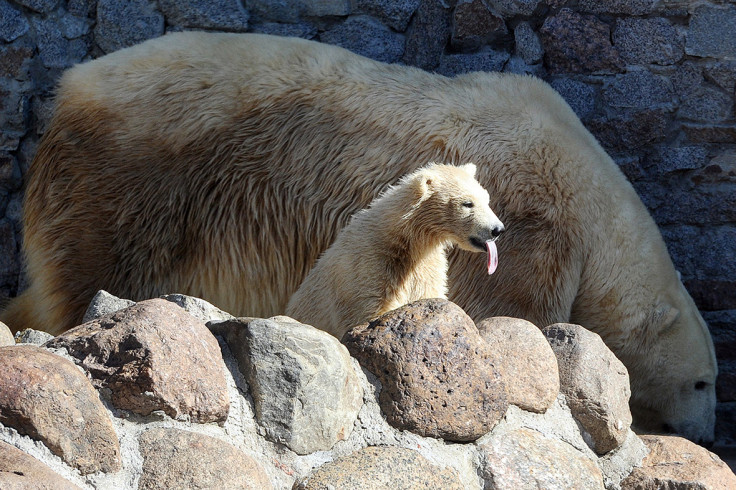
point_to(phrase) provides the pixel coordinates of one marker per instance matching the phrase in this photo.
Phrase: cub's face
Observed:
(462, 207)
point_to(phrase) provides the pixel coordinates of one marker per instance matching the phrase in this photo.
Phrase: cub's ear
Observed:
(423, 187)
(469, 168)
(663, 316)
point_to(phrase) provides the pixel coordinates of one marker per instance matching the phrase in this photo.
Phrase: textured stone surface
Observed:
(394, 13)
(579, 95)
(515, 7)
(367, 37)
(40, 6)
(628, 7)
(524, 459)
(672, 159)
(46, 397)
(674, 462)
(175, 458)
(19, 471)
(474, 24)
(641, 41)
(226, 15)
(712, 31)
(631, 130)
(377, 468)
(532, 380)
(437, 373)
(306, 393)
(6, 336)
(484, 60)
(428, 34)
(708, 104)
(120, 25)
(153, 356)
(722, 74)
(198, 308)
(55, 50)
(30, 336)
(12, 23)
(639, 89)
(595, 383)
(104, 303)
(576, 43)
(302, 29)
(527, 44)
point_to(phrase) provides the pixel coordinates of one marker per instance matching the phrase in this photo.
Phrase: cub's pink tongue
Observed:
(492, 256)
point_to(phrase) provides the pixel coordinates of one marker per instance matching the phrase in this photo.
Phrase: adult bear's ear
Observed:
(663, 317)
(469, 168)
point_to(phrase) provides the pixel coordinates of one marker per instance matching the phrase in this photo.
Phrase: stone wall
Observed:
(654, 80)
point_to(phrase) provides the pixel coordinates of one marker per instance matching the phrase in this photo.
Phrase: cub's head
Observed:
(449, 202)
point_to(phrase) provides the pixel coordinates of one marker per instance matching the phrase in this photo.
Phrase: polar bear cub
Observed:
(395, 251)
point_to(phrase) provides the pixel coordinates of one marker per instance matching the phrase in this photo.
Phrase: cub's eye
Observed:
(468, 204)
(700, 385)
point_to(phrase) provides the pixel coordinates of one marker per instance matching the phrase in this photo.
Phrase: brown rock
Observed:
(575, 43)
(153, 356)
(525, 459)
(20, 471)
(379, 468)
(6, 336)
(474, 24)
(526, 362)
(46, 397)
(437, 373)
(674, 462)
(175, 458)
(595, 383)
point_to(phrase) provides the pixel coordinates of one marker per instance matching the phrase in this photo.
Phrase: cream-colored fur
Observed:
(394, 252)
(223, 165)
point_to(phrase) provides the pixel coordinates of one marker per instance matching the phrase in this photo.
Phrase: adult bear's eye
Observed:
(468, 204)
(700, 385)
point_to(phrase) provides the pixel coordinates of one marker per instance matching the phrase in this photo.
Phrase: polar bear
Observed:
(394, 251)
(223, 165)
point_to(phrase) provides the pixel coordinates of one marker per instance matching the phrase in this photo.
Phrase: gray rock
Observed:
(303, 30)
(46, 397)
(6, 336)
(12, 23)
(366, 36)
(619, 463)
(377, 468)
(19, 471)
(427, 35)
(198, 308)
(14, 63)
(474, 24)
(667, 159)
(291, 11)
(485, 60)
(532, 380)
(575, 43)
(642, 41)
(686, 78)
(512, 8)
(81, 8)
(120, 25)
(528, 46)
(712, 32)
(40, 6)
(224, 15)
(630, 130)
(708, 104)
(104, 303)
(579, 95)
(595, 383)
(306, 393)
(153, 356)
(517, 65)
(710, 133)
(639, 89)
(55, 50)
(73, 27)
(174, 458)
(30, 336)
(394, 13)
(524, 459)
(626, 7)
(722, 74)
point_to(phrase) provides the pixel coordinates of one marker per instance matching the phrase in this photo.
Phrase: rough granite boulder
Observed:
(104, 303)
(304, 386)
(379, 468)
(438, 375)
(153, 356)
(19, 471)
(676, 463)
(525, 361)
(525, 459)
(595, 383)
(46, 397)
(175, 458)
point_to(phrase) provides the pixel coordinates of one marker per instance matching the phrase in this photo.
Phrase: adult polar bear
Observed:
(222, 165)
